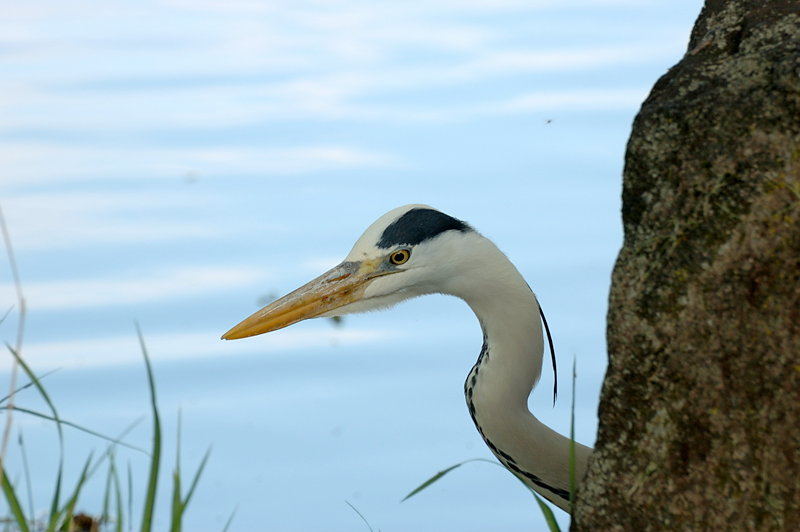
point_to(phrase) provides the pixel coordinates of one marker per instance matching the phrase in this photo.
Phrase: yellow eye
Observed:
(400, 256)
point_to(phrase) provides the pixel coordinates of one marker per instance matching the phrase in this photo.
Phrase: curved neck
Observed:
(499, 384)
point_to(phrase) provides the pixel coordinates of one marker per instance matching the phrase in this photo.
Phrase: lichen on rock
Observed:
(700, 409)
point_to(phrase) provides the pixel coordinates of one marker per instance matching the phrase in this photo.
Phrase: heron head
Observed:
(408, 252)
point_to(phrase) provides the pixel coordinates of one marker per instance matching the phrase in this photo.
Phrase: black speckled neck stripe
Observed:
(419, 225)
(506, 459)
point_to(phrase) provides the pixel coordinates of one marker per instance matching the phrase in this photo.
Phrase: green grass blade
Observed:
(107, 493)
(118, 493)
(147, 518)
(26, 386)
(431, 480)
(110, 449)
(196, 478)
(548, 513)
(115, 441)
(177, 505)
(57, 492)
(69, 508)
(230, 519)
(13, 503)
(442, 473)
(361, 516)
(112, 474)
(552, 524)
(27, 472)
(7, 314)
(572, 484)
(130, 497)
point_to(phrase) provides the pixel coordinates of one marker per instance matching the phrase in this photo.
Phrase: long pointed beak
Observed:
(335, 288)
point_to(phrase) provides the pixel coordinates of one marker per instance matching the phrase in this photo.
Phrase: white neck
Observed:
(499, 384)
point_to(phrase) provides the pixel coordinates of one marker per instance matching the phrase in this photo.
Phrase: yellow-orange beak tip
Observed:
(334, 289)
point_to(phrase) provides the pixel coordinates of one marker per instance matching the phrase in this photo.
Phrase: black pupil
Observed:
(400, 256)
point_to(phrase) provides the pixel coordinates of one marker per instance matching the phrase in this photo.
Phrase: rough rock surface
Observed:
(700, 409)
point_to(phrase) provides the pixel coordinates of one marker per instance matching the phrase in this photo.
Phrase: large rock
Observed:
(700, 409)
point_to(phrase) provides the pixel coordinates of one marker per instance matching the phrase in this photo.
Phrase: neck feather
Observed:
(499, 384)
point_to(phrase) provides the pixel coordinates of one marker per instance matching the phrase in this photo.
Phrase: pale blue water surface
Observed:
(172, 162)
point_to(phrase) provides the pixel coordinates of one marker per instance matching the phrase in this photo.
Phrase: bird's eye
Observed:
(400, 256)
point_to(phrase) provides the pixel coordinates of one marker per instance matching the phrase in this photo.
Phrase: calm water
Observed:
(172, 163)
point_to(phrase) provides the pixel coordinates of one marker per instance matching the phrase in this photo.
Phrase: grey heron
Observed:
(416, 250)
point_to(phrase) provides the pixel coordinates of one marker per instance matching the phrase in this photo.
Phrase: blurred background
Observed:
(181, 163)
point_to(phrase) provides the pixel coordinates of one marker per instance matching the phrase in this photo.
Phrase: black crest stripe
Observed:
(419, 225)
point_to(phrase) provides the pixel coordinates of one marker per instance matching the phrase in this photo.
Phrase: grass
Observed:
(113, 514)
(61, 514)
(155, 461)
(545, 509)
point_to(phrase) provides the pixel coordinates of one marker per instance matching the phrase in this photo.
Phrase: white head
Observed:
(408, 252)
